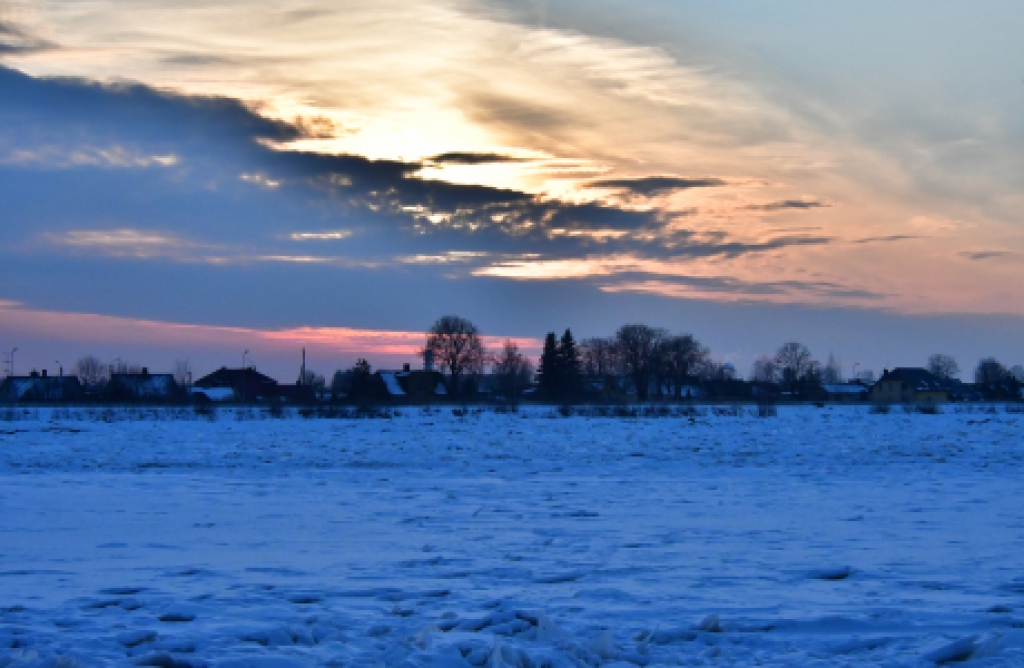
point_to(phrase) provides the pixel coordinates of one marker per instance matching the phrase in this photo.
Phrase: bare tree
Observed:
(681, 358)
(598, 357)
(990, 370)
(794, 361)
(1017, 371)
(943, 366)
(832, 372)
(92, 372)
(637, 346)
(457, 349)
(514, 371)
(765, 370)
(182, 373)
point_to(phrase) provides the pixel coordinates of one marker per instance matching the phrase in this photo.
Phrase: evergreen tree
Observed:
(549, 371)
(568, 367)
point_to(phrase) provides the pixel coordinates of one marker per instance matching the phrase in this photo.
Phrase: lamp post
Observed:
(243, 374)
(10, 361)
(855, 365)
(61, 367)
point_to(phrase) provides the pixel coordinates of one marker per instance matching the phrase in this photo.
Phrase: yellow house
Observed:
(907, 385)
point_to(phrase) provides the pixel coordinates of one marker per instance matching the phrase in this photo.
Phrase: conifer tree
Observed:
(569, 367)
(549, 368)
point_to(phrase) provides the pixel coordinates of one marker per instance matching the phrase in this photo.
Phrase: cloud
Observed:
(444, 258)
(886, 239)
(986, 255)
(327, 235)
(649, 186)
(114, 330)
(457, 158)
(16, 40)
(725, 288)
(788, 204)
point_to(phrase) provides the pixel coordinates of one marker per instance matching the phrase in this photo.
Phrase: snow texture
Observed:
(441, 539)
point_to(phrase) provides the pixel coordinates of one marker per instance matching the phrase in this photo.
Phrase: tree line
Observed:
(652, 362)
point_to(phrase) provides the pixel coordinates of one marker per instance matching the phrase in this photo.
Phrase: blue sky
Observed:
(188, 180)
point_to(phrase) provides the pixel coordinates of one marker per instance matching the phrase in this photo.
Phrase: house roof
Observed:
(144, 384)
(919, 379)
(224, 377)
(845, 388)
(29, 387)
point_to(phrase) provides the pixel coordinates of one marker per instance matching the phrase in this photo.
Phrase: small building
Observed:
(413, 386)
(143, 386)
(909, 385)
(40, 387)
(247, 384)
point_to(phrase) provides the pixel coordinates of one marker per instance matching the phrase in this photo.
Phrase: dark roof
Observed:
(918, 378)
(224, 377)
(40, 388)
(142, 385)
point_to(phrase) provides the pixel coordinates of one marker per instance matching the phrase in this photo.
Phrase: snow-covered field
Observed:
(820, 537)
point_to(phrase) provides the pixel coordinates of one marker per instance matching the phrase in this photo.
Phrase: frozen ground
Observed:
(821, 537)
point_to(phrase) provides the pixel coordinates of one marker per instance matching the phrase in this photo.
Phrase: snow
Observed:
(710, 537)
(391, 382)
(214, 393)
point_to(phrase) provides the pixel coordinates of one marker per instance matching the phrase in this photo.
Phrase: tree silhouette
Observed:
(457, 349)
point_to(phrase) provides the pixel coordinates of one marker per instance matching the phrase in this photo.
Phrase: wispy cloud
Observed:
(327, 235)
(788, 204)
(648, 186)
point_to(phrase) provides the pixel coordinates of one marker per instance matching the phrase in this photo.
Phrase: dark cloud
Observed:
(984, 255)
(457, 158)
(788, 204)
(190, 59)
(76, 156)
(649, 186)
(886, 239)
(15, 39)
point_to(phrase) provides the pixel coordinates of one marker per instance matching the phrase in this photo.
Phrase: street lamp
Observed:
(855, 365)
(61, 367)
(243, 359)
(10, 361)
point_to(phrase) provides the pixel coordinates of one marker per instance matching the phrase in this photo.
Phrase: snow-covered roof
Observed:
(214, 393)
(390, 379)
(844, 388)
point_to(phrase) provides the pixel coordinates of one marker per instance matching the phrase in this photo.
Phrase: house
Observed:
(413, 386)
(909, 385)
(143, 386)
(247, 384)
(40, 387)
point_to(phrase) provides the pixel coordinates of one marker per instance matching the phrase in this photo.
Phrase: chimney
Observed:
(145, 371)
(34, 374)
(405, 367)
(44, 373)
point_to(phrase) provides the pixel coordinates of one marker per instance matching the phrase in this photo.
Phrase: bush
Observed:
(881, 409)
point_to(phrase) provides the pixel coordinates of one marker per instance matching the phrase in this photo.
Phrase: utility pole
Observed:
(10, 361)
(243, 374)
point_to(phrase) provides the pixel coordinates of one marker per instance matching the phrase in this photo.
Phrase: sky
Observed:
(189, 180)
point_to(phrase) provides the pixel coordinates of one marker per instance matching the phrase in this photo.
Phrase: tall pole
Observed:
(244, 375)
(10, 363)
(61, 367)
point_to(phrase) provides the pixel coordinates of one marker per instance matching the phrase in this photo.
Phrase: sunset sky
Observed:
(187, 180)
